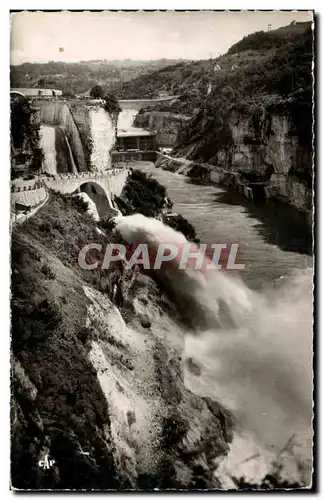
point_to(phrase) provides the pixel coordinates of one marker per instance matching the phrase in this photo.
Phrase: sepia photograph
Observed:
(162, 210)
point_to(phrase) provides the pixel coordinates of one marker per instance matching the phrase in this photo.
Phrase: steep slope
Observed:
(250, 109)
(96, 387)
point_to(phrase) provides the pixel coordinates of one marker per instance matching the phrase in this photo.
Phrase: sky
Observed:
(75, 36)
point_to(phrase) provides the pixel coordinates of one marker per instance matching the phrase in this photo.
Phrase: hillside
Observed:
(248, 111)
(263, 68)
(90, 375)
(79, 77)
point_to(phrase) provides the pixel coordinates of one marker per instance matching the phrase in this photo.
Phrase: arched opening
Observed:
(99, 196)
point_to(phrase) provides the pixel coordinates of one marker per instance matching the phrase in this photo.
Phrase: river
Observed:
(261, 371)
(275, 241)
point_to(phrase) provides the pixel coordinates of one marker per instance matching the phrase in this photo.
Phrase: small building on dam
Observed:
(135, 144)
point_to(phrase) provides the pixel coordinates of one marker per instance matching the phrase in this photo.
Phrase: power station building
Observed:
(135, 144)
(136, 139)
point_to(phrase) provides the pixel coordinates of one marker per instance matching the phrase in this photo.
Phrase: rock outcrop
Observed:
(97, 387)
(166, 124)
(265, 150)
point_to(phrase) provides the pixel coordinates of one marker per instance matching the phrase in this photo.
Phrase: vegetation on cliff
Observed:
(58, 406)
(57, 402)
(145, 195)
(111, 102)
(142, 194)
(25, 128)
(263, 74)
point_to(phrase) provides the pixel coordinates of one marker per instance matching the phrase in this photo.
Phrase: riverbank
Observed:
(234, 180)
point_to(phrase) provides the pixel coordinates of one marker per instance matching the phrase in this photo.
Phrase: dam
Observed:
(78, 139)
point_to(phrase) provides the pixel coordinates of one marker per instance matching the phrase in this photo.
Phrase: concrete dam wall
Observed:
(83, 138)
(58, 114)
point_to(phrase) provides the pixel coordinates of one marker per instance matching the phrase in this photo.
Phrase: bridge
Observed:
(57, 94)
(100, 187)
(144, 103)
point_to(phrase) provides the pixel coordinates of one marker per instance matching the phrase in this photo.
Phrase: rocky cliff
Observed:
(167, 125)
(98, 383)
(251, 111)
(262, 148)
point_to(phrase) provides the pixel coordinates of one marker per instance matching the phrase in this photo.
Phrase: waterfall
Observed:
(126, 118)
(59, 114)
(47, 143)
(103, 138)
(74, 167)
(254, 350)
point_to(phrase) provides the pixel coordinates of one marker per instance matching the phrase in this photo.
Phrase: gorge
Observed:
(172, 379)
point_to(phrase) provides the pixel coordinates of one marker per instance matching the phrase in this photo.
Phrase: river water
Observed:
(274, 240)
(262, 370)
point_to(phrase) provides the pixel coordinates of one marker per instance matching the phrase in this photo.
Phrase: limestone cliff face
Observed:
(263, 147)
(167, 125)
(271, 149)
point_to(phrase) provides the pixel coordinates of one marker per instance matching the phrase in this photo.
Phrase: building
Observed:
(135, 144)
(31, 92)
(137, 139)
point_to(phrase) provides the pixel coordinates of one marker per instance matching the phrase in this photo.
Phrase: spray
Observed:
(254, 350)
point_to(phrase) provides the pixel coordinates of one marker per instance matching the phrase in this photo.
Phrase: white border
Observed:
(4, 171)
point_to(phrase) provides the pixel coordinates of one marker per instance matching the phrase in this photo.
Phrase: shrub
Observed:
(79, 204)
(47, 271)
(111, 104)
(142, 194)
(97, 92)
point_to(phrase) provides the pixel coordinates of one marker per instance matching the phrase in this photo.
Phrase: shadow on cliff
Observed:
(279, 224)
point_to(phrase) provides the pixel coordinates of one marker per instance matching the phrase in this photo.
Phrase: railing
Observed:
(63, 178)
(87, 175)
(28, 187)
(124, 156)
(25, 214)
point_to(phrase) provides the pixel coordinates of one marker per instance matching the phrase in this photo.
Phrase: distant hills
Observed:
(263, 63)
(79, 77)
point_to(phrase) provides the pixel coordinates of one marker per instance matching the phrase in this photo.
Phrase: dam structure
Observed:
(100, 187)
(82, 145)
(84, 134)
(76, 140)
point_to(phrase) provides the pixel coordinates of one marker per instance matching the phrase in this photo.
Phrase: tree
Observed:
(111, 104)
(97, 92)
(25, 127)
